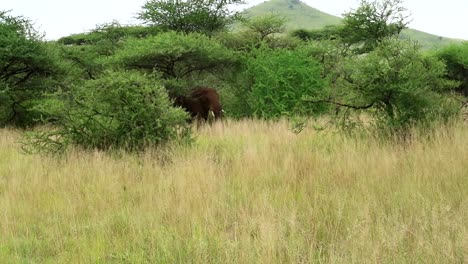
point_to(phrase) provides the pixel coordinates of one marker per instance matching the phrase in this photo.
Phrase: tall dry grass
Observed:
(245, 192)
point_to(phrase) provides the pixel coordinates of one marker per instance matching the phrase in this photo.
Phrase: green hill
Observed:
(301, 15)
(427, 40)
(297, 14)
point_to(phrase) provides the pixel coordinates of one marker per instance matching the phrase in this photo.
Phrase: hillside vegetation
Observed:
(245, 192)
(302, 16)
(298, 14)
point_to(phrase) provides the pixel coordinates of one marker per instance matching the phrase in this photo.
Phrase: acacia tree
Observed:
(264, 26)
(397, 84)
(204, 16)
(372, 22)
(174, 55)
(257, 31)
(26, 63)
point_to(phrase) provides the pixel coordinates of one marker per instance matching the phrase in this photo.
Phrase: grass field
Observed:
(245, 192)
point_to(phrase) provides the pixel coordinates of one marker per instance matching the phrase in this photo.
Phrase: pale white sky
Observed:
(58, 18)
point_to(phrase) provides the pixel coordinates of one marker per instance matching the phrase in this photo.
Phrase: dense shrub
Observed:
(279, 79)
(456, 58)
(118, 110)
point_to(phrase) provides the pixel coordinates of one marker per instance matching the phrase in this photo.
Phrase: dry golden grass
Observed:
(245, 192)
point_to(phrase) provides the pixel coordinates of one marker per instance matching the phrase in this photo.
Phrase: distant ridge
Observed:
(299, 15)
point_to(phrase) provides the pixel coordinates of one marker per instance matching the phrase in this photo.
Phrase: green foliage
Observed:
(113, 29)
(372, 22)
(326, 33)
(261, 30)
(118, 110)
(247, 40)
(85, 60)
(456, 58)
(399, 85)
(88, 52)
(189, 16)
(18, 26)
(106, 38)
(175, 55)
(279, 79)
(265, 25)
(27, 69)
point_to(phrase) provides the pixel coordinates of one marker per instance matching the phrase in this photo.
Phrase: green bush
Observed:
(456, 58)
(118, 110)
(279, 79)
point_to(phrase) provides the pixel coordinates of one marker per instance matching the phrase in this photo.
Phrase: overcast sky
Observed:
(58, 18)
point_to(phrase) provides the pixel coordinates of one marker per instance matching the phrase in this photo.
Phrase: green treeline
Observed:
(109, 88)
